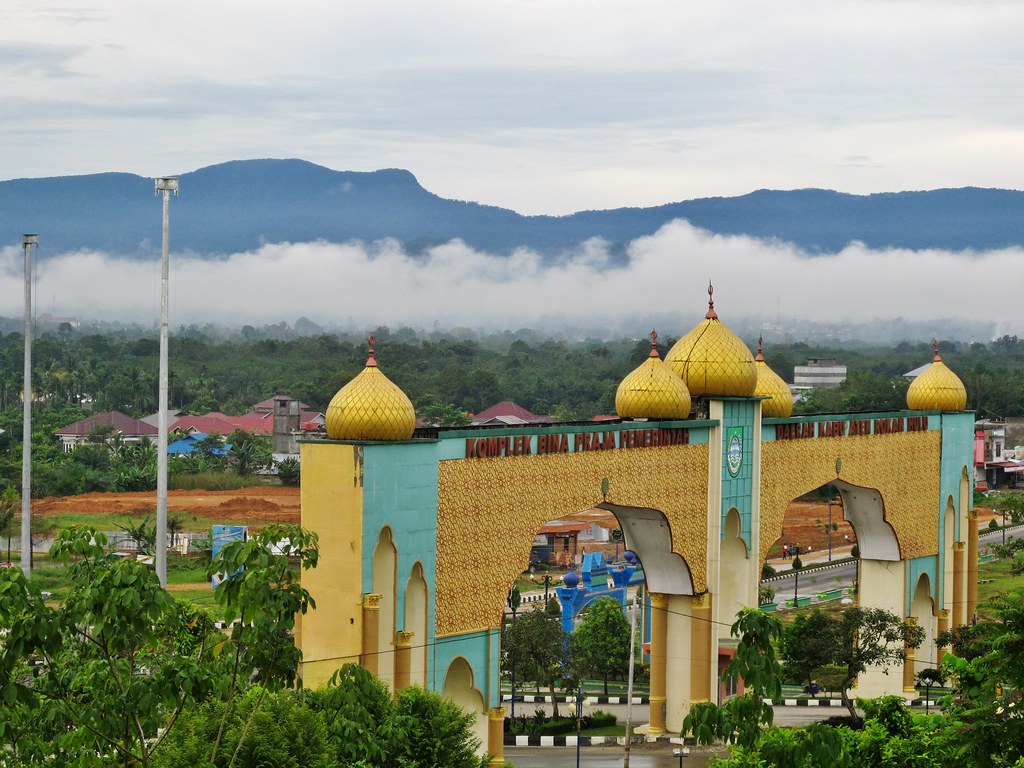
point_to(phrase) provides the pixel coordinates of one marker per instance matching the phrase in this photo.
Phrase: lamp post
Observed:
(164, 186)
(514, 599)
(27, 241)
(830, 527)
(579, 718)
(797, 565)
(546, 580)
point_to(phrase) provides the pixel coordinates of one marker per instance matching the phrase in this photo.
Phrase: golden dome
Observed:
(370, 407)
(652, 391)
(779, 404)
(712, 360)
(937, 389)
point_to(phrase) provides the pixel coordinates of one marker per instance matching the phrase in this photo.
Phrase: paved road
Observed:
(641, 756)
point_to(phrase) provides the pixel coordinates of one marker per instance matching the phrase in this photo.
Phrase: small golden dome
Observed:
(652, 391)
(937, 388)
(712, 360)
(779, 404)
(370, 407)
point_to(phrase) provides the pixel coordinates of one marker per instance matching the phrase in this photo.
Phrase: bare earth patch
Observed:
(255, 505)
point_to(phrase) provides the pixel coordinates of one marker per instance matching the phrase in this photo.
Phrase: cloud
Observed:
(664, 284)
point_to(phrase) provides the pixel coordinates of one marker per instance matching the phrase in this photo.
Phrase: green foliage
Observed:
(535, 646)
(263, 730)
(142, 534)
(1010, 505)
(600, 644)
(807, 646)
(742, 718)
(249, 452)
(265, 594)
(367, 727)
(289, 471)
(101, 678)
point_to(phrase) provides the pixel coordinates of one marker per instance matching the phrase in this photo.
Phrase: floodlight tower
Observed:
(165, 185)
(27, 241)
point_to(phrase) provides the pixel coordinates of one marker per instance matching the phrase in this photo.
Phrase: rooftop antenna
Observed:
(27, 241)
(165, 185)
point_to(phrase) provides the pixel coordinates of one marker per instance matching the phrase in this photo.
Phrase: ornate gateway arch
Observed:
(423, 534)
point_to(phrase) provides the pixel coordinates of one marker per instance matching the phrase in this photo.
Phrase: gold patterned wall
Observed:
(903, 467)
(490, 510)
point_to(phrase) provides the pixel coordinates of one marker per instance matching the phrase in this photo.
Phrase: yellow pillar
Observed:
(496, 736)
(700, 648)
(910, 656)
(403, 659)
(943, 627)
(972, 565)
(371, 631)
(659, 658)
(958, 584)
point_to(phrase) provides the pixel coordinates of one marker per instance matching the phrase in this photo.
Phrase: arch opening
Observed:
(385, 565)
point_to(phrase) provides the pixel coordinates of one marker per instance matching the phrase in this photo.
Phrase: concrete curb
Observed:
(531, 699)
(590, 741)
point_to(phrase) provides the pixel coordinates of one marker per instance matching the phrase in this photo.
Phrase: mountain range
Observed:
(240, 205)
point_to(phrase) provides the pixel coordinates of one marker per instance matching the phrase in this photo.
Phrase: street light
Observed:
(546, 580)
(514, 600)
(797, 565)
(681, 752)
(830, 527)
(27, 241)
(165, 186)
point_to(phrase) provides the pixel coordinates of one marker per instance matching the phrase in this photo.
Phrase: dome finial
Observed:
(371, 362)
(654, 344)
(760, 347)
(935, 347)
(711, 315)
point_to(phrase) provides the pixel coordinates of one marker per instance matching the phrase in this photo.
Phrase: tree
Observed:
(536, 646)
(368, 726)
(289, 471)
(869, 637)
(600, 644)
(742, 718)
(807, 646)
(10, 503)
(284, 732)
(101, 678)
(989, 685)
(249, 452)
(142, 534)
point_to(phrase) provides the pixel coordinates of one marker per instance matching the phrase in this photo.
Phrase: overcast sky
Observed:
(544, 107)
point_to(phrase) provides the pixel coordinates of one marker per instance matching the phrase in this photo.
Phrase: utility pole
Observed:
(164, 185)
(629, 684)
(27, 241)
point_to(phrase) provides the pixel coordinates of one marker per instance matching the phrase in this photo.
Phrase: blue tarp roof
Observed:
(187, 444)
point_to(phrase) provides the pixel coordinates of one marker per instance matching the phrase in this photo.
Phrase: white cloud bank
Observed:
(664, 284)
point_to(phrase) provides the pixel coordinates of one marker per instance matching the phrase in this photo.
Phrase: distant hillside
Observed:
(240, 205)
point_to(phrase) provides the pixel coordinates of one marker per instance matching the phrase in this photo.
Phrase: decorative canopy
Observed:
(370, 407)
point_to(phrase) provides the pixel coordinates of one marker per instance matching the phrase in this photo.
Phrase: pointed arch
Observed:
(416, 601)
(922, 608)
(460, 687)
(647, 532)
(385, 565)
(946, 547)
(733, 571)
(864, 508)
